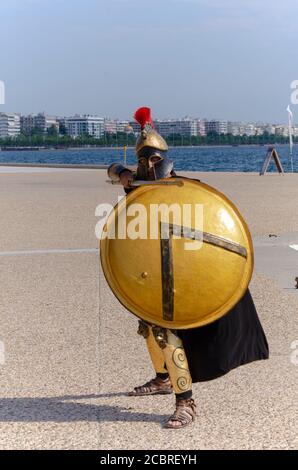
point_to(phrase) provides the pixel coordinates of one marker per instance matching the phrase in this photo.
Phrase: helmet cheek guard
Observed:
(153, 164)
(163, 168)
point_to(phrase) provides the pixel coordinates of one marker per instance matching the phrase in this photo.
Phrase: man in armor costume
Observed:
(182, 357)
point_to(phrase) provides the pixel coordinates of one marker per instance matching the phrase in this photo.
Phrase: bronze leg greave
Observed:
(175, 358)
(155, 352)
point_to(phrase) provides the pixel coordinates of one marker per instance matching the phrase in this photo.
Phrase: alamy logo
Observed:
(2, 92)
(153, 222)
(294, 94)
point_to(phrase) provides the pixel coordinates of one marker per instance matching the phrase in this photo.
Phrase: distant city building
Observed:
(167, 127)
(241, 128)
(233, 128)
(218, 126)
(249, 129)
(270, 129)
(186, 127)
(86, 124)
(201, 127)
(62, 125)
(38, 121)
(135, 126)
(259, 130)
(45, 122)
(10, 125)
(282, 131)
(110, 126)
(113, 126)
(123, 126)
(27, 124)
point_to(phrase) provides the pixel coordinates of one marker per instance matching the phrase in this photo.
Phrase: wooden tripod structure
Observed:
(271, 155)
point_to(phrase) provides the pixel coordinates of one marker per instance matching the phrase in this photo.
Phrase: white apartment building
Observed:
(86, 124)
(216, 125)
(168, 127)
(201, 128)
(241, 128)
(112, 126)
(10, 125)
(122, 126)
(249, 129)
(184, 127)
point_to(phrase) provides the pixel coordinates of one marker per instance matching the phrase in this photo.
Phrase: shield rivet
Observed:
(144, 274)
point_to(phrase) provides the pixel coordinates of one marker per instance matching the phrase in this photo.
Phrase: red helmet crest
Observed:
(143, 117)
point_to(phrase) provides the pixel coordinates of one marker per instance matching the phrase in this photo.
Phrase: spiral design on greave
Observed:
(183, 383)
(179, 358)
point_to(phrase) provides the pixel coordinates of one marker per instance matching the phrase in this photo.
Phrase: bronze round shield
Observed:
(178, 256)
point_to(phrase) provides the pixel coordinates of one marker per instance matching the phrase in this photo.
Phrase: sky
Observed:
(229, 59)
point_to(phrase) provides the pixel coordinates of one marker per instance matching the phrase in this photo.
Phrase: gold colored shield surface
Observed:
(162, 281)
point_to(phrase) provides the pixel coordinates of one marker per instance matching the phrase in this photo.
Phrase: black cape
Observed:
(235, 339)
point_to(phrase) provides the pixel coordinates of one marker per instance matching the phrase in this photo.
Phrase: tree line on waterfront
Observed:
(53, 139)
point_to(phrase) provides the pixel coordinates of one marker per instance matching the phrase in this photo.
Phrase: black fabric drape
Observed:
(233, 340)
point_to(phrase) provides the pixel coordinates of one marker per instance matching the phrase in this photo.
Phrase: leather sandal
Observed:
(184, 414)
(156, 386)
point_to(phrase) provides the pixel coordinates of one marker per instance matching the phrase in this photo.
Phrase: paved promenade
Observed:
(69, 351)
